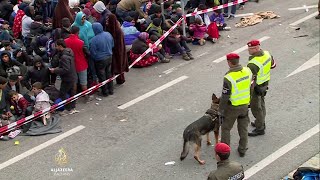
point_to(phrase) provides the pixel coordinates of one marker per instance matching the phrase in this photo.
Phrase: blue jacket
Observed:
(130, 32)
(86, 32)
(101, 45)
(217, 18)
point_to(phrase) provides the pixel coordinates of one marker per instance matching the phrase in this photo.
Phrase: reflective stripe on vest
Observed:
(240, 90)
(264, 64)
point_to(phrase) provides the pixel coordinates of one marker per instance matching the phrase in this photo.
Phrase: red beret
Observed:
(253, 43)
(232, 56)
(222, 148)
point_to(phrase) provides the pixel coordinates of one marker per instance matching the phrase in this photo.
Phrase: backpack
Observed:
(307, 173)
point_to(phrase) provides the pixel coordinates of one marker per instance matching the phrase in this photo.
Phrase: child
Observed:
(177, 43)
(199, 29)
(158, 51)
(42, 100)
(218, 18)
(37, 27)
(19, 105)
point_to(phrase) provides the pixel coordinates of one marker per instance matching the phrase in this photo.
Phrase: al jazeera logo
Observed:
(61, 159)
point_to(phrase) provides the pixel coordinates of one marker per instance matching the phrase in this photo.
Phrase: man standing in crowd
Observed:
(234, 102)
(225, 169)
(67, 72)
(260, 64)
(101, 54)
(81, 53)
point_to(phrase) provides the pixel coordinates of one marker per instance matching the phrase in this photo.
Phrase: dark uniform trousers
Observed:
(258, 109)
(233, 113)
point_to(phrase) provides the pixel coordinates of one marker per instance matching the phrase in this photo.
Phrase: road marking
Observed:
(168, 71)
(153, 92)
(242, 15)
(280, 152)
(303, 7)
(314, 61)
(239, 50)
(304, 19)
(205, 53)
(40, 147)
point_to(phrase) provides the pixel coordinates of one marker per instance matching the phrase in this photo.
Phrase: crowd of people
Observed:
(82, 44)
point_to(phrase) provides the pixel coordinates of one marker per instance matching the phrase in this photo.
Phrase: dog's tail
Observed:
(185, 150)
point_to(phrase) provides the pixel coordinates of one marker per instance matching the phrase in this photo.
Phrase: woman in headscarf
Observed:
(17, 23)
(119, 57)
(139, 46)
(61, 11)
(100, 12)
(86, 32)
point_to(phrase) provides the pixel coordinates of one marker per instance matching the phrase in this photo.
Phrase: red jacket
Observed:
(77, 45)
(21, 106)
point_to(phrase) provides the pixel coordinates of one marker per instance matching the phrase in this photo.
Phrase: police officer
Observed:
(225, 169)
(234, 102)
(260, 64)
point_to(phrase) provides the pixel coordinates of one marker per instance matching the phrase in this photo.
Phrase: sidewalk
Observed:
(314, 162)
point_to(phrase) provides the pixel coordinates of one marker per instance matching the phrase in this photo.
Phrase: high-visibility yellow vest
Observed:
(264, 64)
(240, 90)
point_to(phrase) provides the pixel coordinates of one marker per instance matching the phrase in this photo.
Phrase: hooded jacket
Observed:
(102, 44)
(66, 69)
(36, 74)
(77, 46)
(86, 32)
(130, 32)
(4, 66)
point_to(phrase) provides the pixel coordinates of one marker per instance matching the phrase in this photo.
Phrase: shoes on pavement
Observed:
(165, 60)
(241, 7)
(225, 15)
(253, 124)
(318, 16)
(4, 138)
(227, 28)
(185, 57)
(73, 111)
(241, 154)
(256, 132)
(64, 113)
(231, 16)
(88, 98)
(190, 55)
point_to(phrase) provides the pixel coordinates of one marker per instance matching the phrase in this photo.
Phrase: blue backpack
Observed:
(307, 173)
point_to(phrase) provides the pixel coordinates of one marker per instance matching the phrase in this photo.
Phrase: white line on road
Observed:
(304, 19)
(239, 50)
(168, 71)
(40, 147)
(314, 61)
(303, 7)
(242, 15)
(280, 152)
(205, 53)
(153, 92)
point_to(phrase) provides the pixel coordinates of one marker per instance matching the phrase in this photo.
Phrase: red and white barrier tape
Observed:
(20, 122)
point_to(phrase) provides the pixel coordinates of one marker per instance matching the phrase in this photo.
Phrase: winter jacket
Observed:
(132, 5)
(199, 30)
(21, 106)
(5, 66)
(86, 32)
(5, 10)
(102, 44)
(65, 33)
(130, 32)
(78, 48)
(38, 28)
(139, 46)
(219, 19)
(36, 74)
(154, 30)
(66, 69)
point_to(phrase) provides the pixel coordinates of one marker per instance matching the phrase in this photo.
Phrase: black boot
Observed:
(256, 132)
(253, 124)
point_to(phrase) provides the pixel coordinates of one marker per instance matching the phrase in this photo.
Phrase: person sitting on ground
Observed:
(6, 116)
(38, 47)
(155, 28)
(218, 18)
(42, 101)
(226, 169)
(20, 107)
(37, 27)
(177, 44)
(139, 46)
(38, 73)
(6, 47)
(10, 67)
(5, 34)
(199, 29)
(13, 84)
(130, 32)
(157, 51)
(22, 57)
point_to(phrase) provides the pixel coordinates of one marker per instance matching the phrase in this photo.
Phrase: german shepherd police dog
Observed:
(203, 126)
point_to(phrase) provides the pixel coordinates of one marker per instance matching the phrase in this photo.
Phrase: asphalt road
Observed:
(136, 142)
